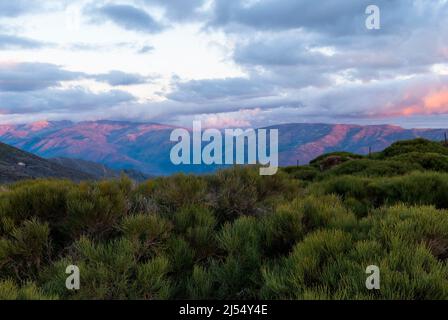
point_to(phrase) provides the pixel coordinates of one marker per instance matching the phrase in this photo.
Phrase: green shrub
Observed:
(152, 280)
(312, 266)
(106, 270)
(95, 209)
(416, 145)
(428, 161)
(277, 186)
(236, 193)
(240, 237)
(414, 225)
(43, 199)
(148, 232)
(197, 225)
(142, 199)
(177, 191)
(416, 188)
(344, 156)
(373, 168)
(305, 173)
(200, 284)
(10, 291)
(239, 275)
(419, 188)
(326, 212)
(282, 229)
(25, 250)
(346, 186)
(181, 256)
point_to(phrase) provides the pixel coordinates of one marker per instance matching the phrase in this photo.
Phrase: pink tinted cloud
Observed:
(418, 100)
(239, 119)
(222, 122)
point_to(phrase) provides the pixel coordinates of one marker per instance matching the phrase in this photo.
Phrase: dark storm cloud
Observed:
(125, 16)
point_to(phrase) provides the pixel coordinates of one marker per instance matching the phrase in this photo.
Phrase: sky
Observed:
(228, 63)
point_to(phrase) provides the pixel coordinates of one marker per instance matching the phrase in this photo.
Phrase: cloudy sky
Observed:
(225, 62)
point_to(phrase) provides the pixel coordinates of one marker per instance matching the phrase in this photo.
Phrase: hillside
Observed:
(145, 147)
(98, 170)
(18, 165)
(308, 232)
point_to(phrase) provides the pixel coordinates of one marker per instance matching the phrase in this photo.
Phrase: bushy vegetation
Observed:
(306, 233)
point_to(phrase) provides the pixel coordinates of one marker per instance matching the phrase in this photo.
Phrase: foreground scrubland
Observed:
(306, 233)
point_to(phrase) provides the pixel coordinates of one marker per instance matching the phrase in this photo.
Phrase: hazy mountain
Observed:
(304, 142)
(118, 145)
(99, 171)
(146, 146)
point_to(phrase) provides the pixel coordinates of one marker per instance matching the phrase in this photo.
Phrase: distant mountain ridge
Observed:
(146, 146)
(97, 170)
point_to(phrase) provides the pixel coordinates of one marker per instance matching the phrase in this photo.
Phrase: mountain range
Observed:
(145, 147)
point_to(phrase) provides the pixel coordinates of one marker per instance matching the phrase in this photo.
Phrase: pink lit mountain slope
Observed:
(146, 146)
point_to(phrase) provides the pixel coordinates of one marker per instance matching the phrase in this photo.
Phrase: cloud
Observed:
(332, 16)
(338, 18)
(125, 16)
(17, 7)
(35, 88)
(420, 95)
(145, 49)
(110, 46)
(119, 78)
(178, 10)
(22, 77)
(284, 49)
(417, 96)
(61, 100)
(238, 119)
(11, 42)
(259, 86)
(212, 89)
